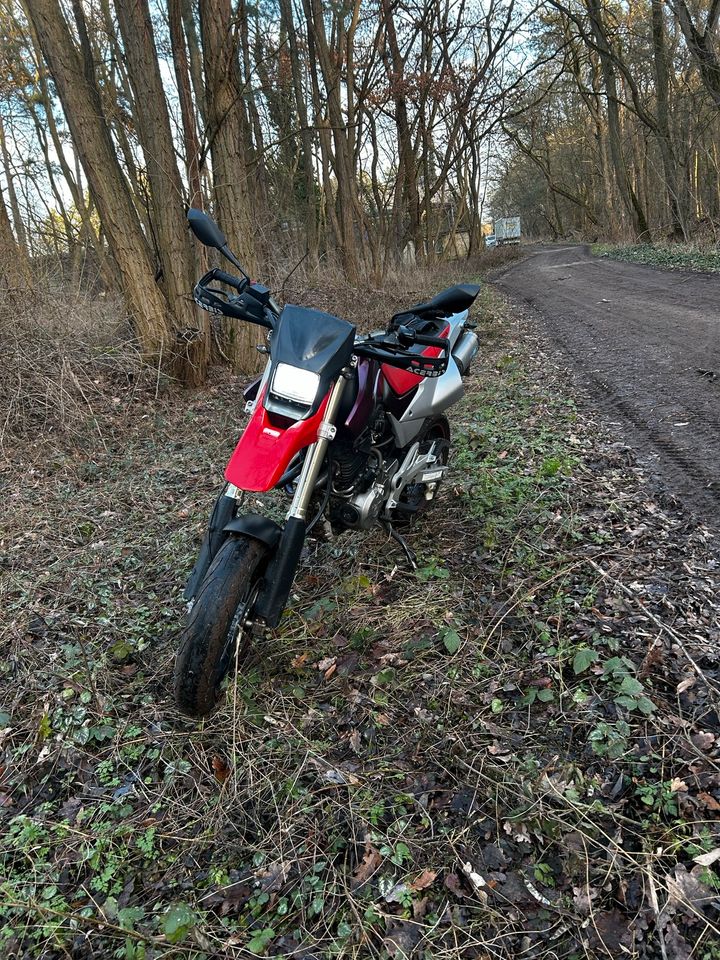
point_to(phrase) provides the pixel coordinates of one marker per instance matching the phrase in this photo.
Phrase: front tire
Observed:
(215, 624)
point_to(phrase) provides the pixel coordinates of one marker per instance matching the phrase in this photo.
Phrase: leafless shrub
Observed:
(60, 349)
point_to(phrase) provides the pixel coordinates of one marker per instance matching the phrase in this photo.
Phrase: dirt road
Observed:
(646, 343)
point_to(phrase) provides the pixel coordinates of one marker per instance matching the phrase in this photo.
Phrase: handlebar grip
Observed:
(426, 341)
(236, 282)
(241, 307)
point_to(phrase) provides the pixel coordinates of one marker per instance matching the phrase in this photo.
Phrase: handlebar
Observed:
(390, 351)
(254, 304)
(251, 303)
(238, 282)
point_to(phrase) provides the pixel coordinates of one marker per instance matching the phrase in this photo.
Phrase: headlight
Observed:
(294, 383)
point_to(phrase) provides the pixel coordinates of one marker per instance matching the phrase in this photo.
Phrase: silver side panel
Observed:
(434, 394)
(457, 324)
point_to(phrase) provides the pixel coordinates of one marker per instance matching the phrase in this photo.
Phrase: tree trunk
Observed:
(166, 190)
(306, 155)
(330, 62)
(12, 196)
(227, 148)
(196, 59)
(187, 110)
(14, 264)
(664, 138)
(407, 173)
(76, 87)
(632, 204)
(702, 46)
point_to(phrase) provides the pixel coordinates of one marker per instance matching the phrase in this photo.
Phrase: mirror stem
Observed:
(229, 255)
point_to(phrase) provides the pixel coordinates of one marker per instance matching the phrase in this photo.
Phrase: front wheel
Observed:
(215, 627)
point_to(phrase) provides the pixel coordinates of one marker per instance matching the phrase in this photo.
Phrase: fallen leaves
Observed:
(453, 884)
(367, 867)
(220, 768)
(327, 666)
(706, 859)
(477, 881)
(272, 877)
(424, 880)
(401, 939)
(688, 890)
(703, 740)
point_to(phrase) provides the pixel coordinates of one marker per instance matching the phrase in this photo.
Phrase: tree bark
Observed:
(187, 111)
(627, 192)
(12, 195)
(74, 79)
(407, 173)
(14, 263)
(702, 46)
(306, 154)
(227, 148)
(166, 190)
(664, 137)
(330, 62)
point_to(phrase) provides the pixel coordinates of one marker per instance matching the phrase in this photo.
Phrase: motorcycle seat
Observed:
(452, 300)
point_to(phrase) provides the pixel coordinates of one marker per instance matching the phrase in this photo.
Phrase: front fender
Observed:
(222, 514)
(255, 526)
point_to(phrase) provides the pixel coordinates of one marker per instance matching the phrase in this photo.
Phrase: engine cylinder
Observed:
(465, 350)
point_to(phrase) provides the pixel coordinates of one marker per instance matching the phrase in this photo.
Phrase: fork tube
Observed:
(281, 572)
(316, 453)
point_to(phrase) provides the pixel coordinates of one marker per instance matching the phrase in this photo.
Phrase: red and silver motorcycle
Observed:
(350, 427)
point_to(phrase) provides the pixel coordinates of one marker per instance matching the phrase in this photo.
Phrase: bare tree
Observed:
(702, 43)
(166, 190)
(227, 141)
(74, 76)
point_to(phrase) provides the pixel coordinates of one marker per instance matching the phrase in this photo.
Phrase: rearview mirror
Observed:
(205, 229)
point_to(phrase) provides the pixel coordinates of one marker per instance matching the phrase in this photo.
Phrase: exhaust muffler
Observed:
(465, 350)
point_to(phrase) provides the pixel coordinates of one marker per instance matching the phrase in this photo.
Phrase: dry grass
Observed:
(62, 350)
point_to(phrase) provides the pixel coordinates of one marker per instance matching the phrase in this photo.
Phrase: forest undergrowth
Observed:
(512, 751)
(698, 257)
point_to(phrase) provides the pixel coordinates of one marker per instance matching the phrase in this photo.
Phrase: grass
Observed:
(498, 753)
(666, 256)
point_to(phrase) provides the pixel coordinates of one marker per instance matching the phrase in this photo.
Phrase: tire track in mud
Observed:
(645, 343)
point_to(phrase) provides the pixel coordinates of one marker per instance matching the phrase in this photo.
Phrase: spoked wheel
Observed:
(414, 497)
(216, 626)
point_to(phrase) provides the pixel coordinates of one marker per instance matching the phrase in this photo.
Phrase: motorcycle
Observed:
(350, 427)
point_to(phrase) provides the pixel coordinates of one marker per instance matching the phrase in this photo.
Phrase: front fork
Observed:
(281, 571)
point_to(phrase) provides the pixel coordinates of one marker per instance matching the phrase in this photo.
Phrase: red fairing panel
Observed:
(402, 381)
(264, 450)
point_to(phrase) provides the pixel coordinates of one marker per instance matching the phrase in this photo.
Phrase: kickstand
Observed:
(388, 527)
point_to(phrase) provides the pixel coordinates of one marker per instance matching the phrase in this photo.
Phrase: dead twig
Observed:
(673, 634)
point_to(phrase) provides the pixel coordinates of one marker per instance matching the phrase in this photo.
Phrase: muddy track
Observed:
(646, 344)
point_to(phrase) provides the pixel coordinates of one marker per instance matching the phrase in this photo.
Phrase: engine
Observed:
(350, 467)
(382, 487)
(361, 483)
